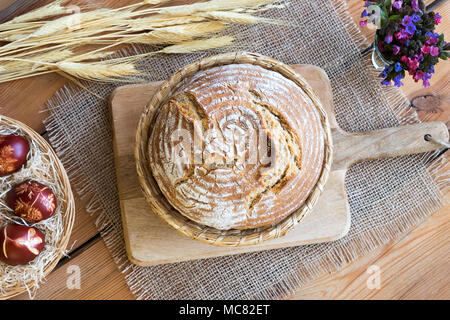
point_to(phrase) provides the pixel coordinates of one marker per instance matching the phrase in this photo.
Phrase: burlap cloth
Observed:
(387, 197)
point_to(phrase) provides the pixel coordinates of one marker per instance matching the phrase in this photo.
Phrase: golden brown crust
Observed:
(238, 147)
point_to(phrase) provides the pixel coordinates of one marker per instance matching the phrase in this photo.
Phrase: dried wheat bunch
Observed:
(81, 45)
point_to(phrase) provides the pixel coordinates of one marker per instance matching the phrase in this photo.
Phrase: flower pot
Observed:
(378, 60)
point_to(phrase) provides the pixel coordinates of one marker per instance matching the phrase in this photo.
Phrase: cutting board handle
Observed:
(391, 142)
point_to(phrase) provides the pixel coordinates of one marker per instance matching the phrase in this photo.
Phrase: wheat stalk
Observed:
(213, 5)
(13, 37)
(34, 61)
(69, 21)
(54, 56)
(154, 2)
(97, 71)
(180, 33)
(91, 56)
(25, 28)
(160, 22)
(50, 10)
(234, 17)
(199, 45)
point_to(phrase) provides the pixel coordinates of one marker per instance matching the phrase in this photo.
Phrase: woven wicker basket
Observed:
(188, 227)
(68, 211)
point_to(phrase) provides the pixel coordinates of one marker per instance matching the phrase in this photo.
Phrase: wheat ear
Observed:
(67, 22)
(160, 22)
(50, 10)
(213, 5)
(234, 17)
(177, 34)
(97, 71)
(92, 56)
(199, 45)
(35, 61)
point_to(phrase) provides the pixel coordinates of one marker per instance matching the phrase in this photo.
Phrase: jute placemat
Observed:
(387, 197)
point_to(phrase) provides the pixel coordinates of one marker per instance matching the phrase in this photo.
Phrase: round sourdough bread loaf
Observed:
(237, 147)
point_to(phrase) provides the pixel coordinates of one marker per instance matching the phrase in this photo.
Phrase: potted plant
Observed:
(405, 40)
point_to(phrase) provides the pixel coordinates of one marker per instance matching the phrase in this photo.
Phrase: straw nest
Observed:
(187, 227)
(42, 165)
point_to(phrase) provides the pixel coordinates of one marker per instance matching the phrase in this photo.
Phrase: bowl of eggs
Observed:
(37, 209)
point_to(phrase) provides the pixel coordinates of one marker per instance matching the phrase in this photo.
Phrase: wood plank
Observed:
(414, 266)
(405, 274)
(28, 108)
(84, 227)
(12, 8)
(100, 278)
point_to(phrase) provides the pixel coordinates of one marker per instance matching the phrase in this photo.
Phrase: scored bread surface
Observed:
(237, 147)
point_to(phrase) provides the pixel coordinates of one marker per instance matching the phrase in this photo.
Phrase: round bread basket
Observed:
(67, 205)
(187, 227)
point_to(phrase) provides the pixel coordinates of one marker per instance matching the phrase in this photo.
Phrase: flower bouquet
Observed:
(405, 39)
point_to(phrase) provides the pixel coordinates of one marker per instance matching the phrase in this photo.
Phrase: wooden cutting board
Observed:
(150, 240)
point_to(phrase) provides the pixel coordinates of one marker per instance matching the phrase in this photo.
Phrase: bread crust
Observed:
(237, 147)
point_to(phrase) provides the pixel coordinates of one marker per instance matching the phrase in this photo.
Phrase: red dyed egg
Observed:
(20, 244)
(13, 153)
(32, 201)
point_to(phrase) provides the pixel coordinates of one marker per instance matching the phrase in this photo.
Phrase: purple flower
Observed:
(395, 49)
(385, 72)
(431, 70)
(410, 28)
(397, 4)
(386, 82)
(426, 77)
(364, 13)
(413, 65)
(398, 67)
(388, 38)
(363, 23)
(434, 51)
(437, 18)
(415, 18)
(397, 80)
(418, 75)
(432, 40)
(415, 5)
(400, 35)
(406, 20)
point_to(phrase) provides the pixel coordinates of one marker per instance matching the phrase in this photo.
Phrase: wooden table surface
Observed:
(413, 266)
